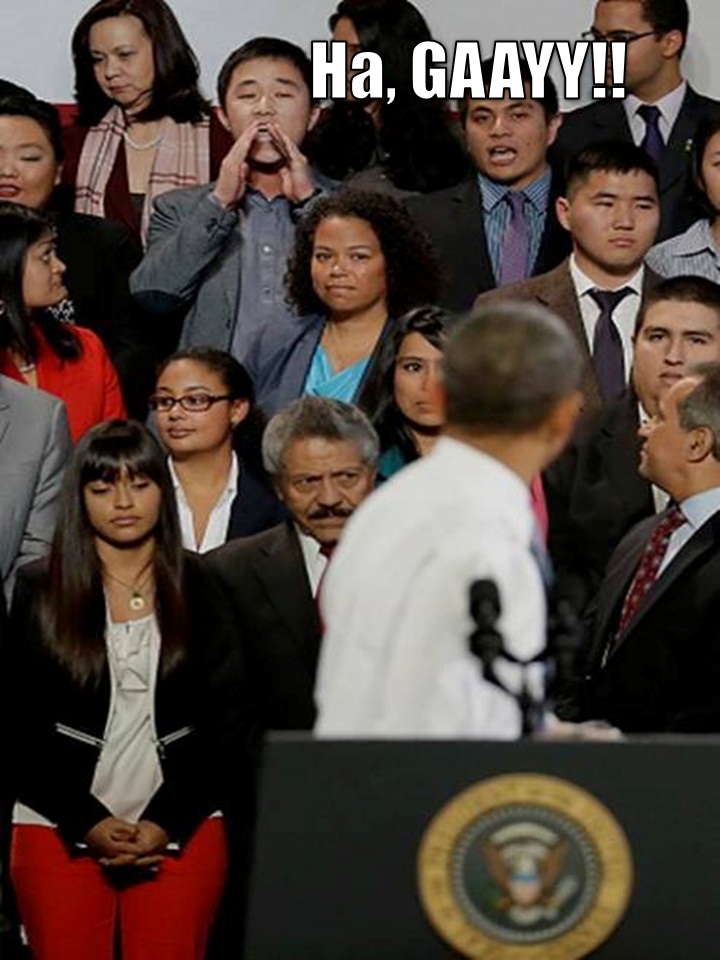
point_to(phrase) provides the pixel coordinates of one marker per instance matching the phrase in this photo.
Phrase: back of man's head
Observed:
(609, 156)
(701, 407)
(507, 366)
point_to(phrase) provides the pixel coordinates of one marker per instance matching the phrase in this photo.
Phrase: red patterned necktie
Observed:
(650, 562)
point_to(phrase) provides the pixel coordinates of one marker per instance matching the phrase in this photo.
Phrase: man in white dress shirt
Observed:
(396, 659)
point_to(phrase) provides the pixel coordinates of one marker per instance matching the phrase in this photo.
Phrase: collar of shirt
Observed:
(315, 562)
(583, 284)
(537, 192)
(669, 107)
(255, 198)
(700, 507)
(216, 519)
(697, 239)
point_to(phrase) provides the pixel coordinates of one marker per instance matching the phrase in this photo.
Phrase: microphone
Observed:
(485, 641)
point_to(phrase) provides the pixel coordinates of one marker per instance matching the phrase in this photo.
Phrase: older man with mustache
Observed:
(321, 455)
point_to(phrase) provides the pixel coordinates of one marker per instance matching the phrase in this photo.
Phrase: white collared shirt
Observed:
(623, 316)
(669, 107)
(395, 659)
(219, 519)
(315, 562)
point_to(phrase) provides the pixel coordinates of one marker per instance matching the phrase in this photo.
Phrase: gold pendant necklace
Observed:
(137, 601)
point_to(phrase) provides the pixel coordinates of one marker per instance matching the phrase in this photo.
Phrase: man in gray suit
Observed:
(34, 448)
(218, 252)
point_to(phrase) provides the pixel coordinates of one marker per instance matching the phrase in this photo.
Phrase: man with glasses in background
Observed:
(660, 112)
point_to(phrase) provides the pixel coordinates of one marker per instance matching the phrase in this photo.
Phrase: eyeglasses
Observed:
(616, 36)
(190, 402)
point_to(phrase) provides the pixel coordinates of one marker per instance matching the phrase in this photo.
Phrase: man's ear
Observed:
(554, 125)
(700, 444)
(313, 118)
(562, 211)
(671, 43)
(222, 117)
(58, 174)
(438, 395)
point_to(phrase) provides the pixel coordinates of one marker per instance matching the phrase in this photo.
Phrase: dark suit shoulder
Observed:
(244, 550)
(541, 287)
(93, 229)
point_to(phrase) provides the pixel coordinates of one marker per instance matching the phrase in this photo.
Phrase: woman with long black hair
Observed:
(124, 697)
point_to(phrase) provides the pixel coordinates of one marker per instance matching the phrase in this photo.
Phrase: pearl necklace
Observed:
(141, 146)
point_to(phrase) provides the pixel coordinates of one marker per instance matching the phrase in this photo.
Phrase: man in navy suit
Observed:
(660, 112)
(498, 226)
(654, 661)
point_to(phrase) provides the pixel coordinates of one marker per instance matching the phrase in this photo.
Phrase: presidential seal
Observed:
(524, 867)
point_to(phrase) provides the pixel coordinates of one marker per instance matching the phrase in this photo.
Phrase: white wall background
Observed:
(35, 34)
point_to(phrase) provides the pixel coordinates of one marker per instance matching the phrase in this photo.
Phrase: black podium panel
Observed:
(340, 824)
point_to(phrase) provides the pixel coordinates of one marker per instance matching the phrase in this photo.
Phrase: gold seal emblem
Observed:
(524, 867)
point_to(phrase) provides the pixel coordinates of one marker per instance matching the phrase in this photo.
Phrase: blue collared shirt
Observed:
(697, 511)
(691, 254)
(496, 213)
(268, 232)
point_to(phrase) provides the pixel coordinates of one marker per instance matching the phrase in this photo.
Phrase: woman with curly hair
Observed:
(358, 263)
(142, 127)
(399, 147)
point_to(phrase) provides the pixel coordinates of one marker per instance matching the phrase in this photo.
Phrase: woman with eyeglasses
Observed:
(123, 710)
(36, 347)
(206, 417)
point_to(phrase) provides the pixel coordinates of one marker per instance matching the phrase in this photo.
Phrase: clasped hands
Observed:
(117, 843)
(295, 179)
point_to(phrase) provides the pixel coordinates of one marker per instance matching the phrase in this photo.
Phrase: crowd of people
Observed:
(492, 332)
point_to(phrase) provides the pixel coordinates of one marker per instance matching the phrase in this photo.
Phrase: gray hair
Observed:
(701, 407)
(507, 365)
(318, 417)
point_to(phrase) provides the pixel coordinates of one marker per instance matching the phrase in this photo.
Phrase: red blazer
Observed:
(88, 386)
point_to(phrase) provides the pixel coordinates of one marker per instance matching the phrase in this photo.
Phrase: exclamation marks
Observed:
(608, 73)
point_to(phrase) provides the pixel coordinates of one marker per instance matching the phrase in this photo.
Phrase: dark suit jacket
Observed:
(595, 495)
(556, 291)
(255, 508)
(607, 120)
(453, 219)
(664, 672)
(265, 579)
(100, 255)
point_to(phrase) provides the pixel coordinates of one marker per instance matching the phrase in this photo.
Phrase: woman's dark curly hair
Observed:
(175, 90)
(413, 271)
(377, 399)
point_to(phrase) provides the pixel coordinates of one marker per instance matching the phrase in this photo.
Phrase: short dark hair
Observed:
(608, 156)
(549, 102)
(20, 228)
(666, 15)
(175, 91)
(701, 407)
(44, 114)
(507, 365)
(680, 290)
(377, 398)
(413, 271)
(264, 48)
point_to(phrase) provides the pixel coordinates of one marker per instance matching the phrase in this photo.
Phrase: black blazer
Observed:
(100, 255)
(607, 120)
(265, 579)
(255, 507)
(453, 219)
(54, 729)
(663, 674)
(595, 495)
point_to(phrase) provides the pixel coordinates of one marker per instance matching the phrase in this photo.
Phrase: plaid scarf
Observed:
(182, 160)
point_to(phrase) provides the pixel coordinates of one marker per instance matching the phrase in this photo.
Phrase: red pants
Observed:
(71, 912)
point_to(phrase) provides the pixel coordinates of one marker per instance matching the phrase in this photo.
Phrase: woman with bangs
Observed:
(125, 701)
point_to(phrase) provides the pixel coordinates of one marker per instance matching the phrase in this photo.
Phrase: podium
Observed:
(341, 825)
